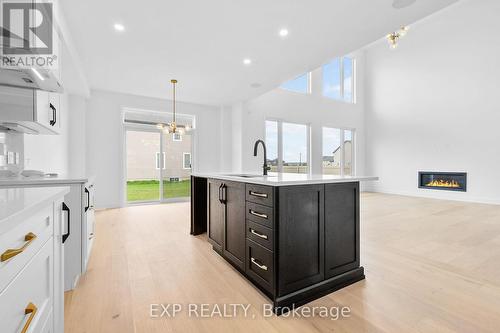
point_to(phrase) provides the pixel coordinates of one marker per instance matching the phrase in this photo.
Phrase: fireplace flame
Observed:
(444, 183)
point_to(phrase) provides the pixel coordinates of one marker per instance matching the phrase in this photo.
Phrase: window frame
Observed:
(280, 142)
(184, 160)
(341, 80)
(342, 149)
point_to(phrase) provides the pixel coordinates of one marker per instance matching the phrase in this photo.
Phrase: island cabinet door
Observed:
(341, 228)
(234, 236)
(301, 237)
(215, 216)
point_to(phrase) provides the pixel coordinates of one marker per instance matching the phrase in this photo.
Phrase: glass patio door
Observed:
(176, 173)
(151, 156)
(144, 162)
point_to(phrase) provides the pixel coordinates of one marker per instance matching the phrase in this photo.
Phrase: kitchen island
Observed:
(294, 236)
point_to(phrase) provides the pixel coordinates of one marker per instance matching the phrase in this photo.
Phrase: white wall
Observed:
(77, 135)
(105, 155)
(432, 104)
(313, 109)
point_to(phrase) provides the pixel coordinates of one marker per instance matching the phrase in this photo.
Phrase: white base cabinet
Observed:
(32, 270)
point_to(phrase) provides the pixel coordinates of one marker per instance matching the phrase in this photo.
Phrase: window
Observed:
(348, 152)
(348, 79)
(272, 144)
(288, 146)
(186, 161)
(338, 151)
(158, 162)
(300, 84)
(295, 142)
(338, 79)
(331, 79)
(176, 137)
(331, 151)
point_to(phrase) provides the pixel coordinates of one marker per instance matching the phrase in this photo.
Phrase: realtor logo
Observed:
(26, 35)
(27, 28)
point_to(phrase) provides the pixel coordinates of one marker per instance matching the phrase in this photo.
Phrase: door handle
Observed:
(220, 194)
(88, 199)
(264, 216)
(258, 234)
(263, 267)
(66, 235)
(10, 253)
(54, 115)
(224, 193)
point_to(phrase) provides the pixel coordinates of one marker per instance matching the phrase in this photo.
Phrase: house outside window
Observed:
(186, 161)
(176, 137)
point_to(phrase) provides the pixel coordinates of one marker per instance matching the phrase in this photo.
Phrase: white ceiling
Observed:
(202, 43)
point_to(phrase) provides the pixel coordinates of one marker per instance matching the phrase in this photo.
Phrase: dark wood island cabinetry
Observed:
(296, 243)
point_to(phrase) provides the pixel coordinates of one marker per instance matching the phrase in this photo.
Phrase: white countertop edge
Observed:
(281, 179)
(26, 181)
(46, 196)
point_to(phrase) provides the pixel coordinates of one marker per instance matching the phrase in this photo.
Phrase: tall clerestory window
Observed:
(338, 79)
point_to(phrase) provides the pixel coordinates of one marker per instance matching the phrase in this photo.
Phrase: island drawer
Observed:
(259, 265)
(260, 234)
(260, 214)
(259, 194)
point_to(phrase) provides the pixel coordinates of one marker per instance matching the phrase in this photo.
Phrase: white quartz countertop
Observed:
(282, 179)
(45, 180)
(16, 201)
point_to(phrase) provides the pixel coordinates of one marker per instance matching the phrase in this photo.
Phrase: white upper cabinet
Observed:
(30, 111)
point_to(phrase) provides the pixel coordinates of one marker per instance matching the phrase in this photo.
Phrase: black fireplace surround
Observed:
(447, 181)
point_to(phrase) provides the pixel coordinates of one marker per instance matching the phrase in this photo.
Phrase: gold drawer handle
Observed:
(258, 234)
(31, 309)
(9, 253)
(264, 216)
(263, 267)
(257, 194)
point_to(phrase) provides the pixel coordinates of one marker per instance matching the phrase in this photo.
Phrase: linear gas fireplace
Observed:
(449, 181)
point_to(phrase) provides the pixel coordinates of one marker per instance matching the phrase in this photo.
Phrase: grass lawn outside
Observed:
(149, 190)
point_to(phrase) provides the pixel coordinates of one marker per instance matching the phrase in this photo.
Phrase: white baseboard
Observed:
(433, 194)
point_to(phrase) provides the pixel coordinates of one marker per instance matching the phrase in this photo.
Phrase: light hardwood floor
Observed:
(431, 266)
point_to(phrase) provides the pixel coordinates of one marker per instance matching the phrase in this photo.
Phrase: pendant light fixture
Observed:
(394, 37)
(173, 126)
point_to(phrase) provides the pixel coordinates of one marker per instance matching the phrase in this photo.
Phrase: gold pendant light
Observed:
(173, 127)
(394, 37)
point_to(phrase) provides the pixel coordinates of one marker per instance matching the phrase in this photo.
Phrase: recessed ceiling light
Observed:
(398, 4)
(283, 32)
(256, 85)
(247, 61)
(119, 27)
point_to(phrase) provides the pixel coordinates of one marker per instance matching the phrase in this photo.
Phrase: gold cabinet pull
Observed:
(264, 216)
(258, 234)
(263, 267)
(9, 253)
(31, 309)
